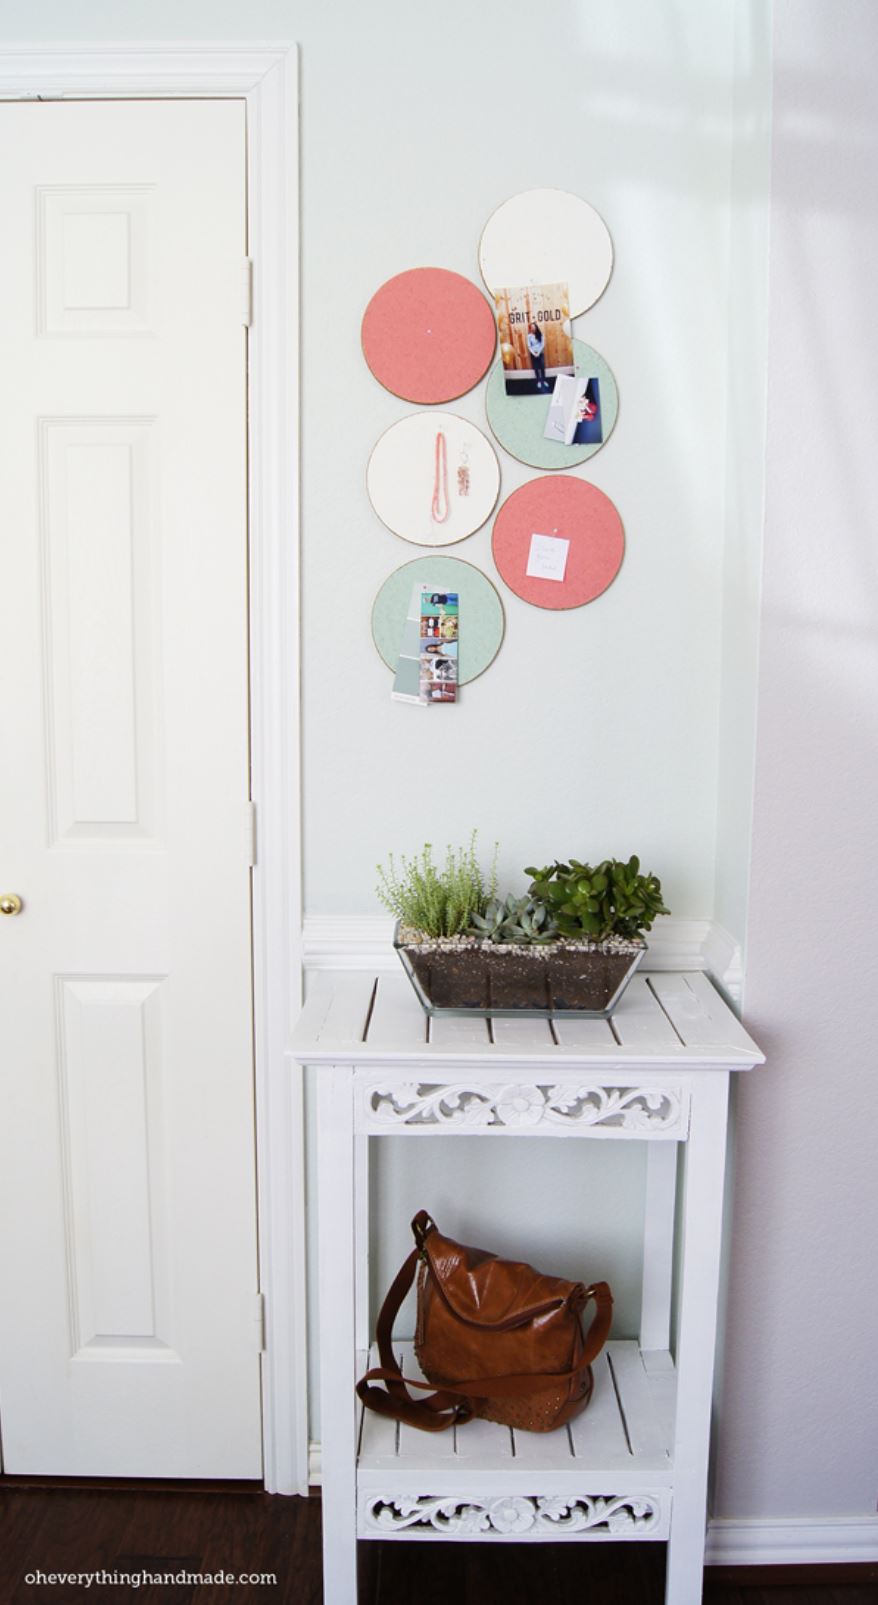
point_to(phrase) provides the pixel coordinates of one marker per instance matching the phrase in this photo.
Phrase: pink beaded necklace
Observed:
(439, 507)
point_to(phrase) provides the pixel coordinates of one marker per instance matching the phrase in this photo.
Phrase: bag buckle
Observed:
(422, 1225)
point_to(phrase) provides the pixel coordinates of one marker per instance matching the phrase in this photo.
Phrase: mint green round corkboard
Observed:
(518, 422)
(482, 621)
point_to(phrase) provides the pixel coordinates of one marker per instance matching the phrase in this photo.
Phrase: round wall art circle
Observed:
(428, 335)
(548, 236)
(482, 620)
(560, 429)
(433, 478)
(558, 542)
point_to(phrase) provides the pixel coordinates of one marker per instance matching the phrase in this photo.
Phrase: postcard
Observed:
(574, 416)
(406, 681)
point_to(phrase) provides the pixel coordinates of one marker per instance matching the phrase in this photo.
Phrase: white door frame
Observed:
(266, 76)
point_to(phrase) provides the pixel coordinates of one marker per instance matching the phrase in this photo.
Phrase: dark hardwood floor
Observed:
(94, 1528)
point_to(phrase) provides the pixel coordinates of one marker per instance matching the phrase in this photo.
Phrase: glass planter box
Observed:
(488, 979)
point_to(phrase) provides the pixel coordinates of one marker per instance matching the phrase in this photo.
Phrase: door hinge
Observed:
(259, 1322)
(247, 291)
(250, 828)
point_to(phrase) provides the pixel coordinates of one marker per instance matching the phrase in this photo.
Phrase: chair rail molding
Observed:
(266, 76)
(365, 942)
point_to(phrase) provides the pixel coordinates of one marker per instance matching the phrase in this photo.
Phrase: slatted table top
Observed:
(665, 1018)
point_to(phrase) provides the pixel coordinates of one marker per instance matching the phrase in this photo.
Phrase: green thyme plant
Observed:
(611, 899)
(518, 919)
(439, 901)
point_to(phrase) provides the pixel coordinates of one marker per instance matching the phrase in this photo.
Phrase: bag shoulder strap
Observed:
(452, 1404)
(442, 1409)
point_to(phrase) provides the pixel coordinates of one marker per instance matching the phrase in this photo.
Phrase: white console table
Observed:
(634, 1465)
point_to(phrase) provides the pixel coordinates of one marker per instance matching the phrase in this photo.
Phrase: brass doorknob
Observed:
(10, 903)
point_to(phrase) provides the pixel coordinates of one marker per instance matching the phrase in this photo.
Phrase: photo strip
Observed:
(440, 622)
(536, 343)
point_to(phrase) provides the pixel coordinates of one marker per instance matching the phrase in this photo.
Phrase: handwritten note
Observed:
(547, 558)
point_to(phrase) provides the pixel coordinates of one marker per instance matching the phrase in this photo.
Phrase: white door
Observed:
(128, 1269)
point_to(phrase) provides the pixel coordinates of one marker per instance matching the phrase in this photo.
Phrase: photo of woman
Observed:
(536, 345)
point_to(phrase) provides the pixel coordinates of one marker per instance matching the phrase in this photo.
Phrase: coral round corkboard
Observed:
(558, 510)
(428, 335)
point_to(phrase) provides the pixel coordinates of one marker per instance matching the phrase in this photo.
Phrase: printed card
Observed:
(536, 342)
(547, 558)
(574, 416)
(439, 631)
(407, 680)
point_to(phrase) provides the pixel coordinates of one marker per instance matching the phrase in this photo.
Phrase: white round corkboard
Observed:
(548, 236)
(430, 504)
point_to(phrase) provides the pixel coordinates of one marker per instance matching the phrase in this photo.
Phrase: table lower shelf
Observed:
(608, 1475)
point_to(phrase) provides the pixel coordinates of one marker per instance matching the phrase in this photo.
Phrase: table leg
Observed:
(658, 1245)
(361, 1240)
(338, 1404)
(699, 1284)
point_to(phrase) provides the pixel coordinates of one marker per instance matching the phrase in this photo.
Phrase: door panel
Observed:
(127, 1173)
(114, 1151)
(99, 626)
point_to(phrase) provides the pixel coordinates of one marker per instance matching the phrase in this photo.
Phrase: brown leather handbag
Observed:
(496, 1339)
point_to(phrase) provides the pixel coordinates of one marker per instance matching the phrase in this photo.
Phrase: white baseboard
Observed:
(795, 1541)
(363, 942)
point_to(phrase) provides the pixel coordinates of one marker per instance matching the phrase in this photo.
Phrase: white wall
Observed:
(799, 1422)
(744, 459)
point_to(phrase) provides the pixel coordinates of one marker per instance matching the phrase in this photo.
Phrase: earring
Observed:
(463, 474)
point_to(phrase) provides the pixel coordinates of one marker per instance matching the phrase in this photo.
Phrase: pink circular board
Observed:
(561, 509)
(428, 335)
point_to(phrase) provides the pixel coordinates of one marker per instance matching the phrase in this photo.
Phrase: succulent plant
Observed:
(518, 919)
(613, 899)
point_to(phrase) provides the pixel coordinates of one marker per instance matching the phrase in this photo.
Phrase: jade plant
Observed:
(610, 899)
(439, 901)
